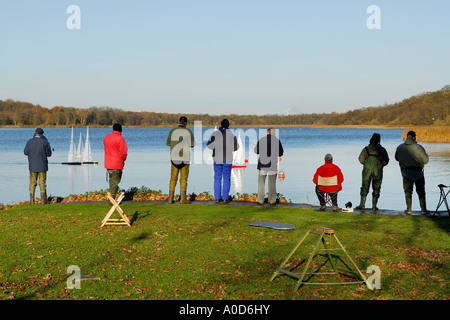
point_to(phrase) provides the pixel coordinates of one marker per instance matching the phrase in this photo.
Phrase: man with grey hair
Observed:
(38, 150)
(328, 170)
(269, 149)
(412, 158)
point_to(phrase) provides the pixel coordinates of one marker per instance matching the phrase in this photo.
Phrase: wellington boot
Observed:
(374, 204)
(171, 194)
(408, 199)
(423, 206)
(183, 199)
(44, 199)
(362, 204)
(31, 198)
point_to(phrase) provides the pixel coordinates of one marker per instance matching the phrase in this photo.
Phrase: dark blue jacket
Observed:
(38, 149)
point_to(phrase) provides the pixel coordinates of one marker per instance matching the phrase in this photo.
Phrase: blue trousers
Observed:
(222, 178)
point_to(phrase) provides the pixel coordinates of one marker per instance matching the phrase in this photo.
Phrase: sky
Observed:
(223, 56)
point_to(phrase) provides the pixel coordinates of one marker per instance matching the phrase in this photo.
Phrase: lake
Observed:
(148, 163)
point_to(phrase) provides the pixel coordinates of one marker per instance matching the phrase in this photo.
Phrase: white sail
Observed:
(71, 149)
(87, 156)
(237, 177)
(239, 154)
(79, 149)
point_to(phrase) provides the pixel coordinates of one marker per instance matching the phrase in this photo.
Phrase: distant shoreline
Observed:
(433, 134)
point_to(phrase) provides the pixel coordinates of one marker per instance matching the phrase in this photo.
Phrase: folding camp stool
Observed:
(443, 198)
(328, 182)
(123, 220)
(322, 233)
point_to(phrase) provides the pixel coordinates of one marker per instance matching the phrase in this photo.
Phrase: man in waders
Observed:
(374, 158)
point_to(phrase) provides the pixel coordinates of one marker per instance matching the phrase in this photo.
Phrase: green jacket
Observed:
(411, 155)
(180, 140)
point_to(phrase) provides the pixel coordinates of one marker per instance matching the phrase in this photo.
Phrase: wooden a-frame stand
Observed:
(123, 220)
(320, 232)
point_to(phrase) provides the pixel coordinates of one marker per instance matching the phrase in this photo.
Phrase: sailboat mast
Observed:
(71, 149)
(87, 156)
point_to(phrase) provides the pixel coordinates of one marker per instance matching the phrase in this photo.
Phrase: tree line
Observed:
(431, 108)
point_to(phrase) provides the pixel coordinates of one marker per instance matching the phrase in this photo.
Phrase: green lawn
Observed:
(203, 251)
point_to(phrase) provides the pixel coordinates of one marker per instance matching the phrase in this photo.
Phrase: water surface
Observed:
(148, 164)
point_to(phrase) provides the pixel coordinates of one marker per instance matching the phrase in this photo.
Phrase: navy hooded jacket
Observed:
(38, 149)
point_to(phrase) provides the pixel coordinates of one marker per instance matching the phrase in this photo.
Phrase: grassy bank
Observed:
(209, 252)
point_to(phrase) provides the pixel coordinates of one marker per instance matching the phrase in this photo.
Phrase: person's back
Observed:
(374, 157)
(180, 140)
(328, 170)
(223, 143)
(38, 150)
(115, 150)
(411, 155)
(269, 149)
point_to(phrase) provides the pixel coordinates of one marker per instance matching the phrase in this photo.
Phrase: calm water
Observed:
(148, 163)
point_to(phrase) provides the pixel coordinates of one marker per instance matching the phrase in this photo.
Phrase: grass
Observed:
(208, 252)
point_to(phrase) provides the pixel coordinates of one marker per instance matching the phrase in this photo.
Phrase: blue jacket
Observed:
(38, 149)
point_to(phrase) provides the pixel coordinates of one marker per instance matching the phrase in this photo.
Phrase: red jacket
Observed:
(115, 150)
(329, 170)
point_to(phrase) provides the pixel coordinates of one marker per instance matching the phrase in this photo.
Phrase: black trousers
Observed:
(408, 186)
(321, 196)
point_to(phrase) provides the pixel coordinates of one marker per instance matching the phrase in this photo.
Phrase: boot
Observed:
(335, 206)
(408, 199)
(31, 198)
(171, 194)
(362, 204)
(183, 199)
(374, 203)
(423, 206)
(44, 197)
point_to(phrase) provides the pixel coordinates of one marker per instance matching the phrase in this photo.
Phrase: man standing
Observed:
(269, 149)
(180, 140)
(38, 150)
(374, 158)
(412, 158)
(328, 170)
(223, 143)
(116, 151)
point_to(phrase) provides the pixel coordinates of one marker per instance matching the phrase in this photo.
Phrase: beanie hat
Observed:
(225, 123)
(375, 138)
(183, 120)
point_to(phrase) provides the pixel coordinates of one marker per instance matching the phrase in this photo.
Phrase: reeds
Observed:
(439, 134)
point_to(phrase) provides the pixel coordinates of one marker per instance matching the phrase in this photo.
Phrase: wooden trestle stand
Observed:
(123, 220)
(322, 233)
